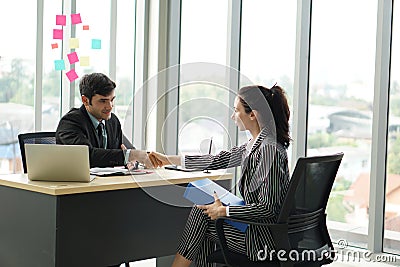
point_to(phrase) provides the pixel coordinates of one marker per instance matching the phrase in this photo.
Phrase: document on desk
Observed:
(114, 171)
(179, 168)
(201, 192)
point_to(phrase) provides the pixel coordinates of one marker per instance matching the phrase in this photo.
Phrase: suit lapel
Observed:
(90, 125)
(246, 173)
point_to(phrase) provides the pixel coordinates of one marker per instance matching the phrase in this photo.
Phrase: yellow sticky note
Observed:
(84, 61)
(73, 43)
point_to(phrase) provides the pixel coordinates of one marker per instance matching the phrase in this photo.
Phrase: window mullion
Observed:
(380, 126)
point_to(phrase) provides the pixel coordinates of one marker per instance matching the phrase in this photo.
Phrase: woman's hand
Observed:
(215, 209)
(159, 160)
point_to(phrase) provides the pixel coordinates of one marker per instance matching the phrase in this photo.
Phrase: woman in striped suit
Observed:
(263, 183)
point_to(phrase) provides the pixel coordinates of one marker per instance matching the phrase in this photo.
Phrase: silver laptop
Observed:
(63, 163)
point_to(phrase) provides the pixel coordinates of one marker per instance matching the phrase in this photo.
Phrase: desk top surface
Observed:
(156, 178)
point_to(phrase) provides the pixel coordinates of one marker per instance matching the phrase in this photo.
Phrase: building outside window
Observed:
(342, 64)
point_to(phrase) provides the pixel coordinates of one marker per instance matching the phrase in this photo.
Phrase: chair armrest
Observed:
(248, 221)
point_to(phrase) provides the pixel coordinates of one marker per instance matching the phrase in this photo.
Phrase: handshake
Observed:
(152, 159)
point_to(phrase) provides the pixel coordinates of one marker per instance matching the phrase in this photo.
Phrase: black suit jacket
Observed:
(76, 128)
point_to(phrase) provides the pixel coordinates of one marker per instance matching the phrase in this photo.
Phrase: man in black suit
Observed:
(94, 125)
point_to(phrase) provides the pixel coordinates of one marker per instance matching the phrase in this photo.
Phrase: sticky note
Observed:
(61, 20)
(71, 75)
(73, 57)
(73, 43)
(84, 61)
(76, 18)
(96, 44)
(57, 34)
(59, 64)
(85, 27)
(54, 46)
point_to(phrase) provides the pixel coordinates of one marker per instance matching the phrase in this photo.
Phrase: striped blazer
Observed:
(263, 185)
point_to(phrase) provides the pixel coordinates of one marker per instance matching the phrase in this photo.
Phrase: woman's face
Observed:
(241, 118)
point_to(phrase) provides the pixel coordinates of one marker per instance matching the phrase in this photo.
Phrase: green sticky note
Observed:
(59, 64)
(96, 44)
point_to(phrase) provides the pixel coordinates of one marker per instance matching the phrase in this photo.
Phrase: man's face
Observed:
(101, 106)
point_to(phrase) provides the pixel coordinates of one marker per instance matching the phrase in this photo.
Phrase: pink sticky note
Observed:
(57, 34)
(61, 20)
(85, 27)
(76, 18)
(73, 57)
(54, 46)
(71, 75)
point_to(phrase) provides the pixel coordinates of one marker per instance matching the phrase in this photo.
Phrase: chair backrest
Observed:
(305, 203)
(34, 138)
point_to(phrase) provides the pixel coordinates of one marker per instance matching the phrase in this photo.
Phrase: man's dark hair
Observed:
(95, 83)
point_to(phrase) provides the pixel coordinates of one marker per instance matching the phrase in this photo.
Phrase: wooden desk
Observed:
(105, 222)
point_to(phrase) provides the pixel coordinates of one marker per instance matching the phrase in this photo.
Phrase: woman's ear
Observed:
(253, 115)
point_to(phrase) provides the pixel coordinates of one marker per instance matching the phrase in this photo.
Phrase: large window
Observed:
(204, 31)
(18, 57)
(268, 44)
(392, 201)
(51, 93)
(203, 109)
(95, 42)
(340, 106)
(17, 69)
(125, 63)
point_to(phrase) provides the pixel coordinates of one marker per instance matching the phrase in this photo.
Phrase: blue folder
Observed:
(201, 192)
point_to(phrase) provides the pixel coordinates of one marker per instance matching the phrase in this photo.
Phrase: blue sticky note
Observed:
(96, 44)
(59, 64)
(201, 192)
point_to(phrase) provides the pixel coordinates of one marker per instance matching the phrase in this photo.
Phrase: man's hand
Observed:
(141, 156)
(214, 210)
(131, 165)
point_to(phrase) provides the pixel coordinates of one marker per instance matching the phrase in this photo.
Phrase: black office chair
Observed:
(34, 138)
(301, 224)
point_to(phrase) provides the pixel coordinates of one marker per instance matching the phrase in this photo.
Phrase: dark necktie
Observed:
(100, 134)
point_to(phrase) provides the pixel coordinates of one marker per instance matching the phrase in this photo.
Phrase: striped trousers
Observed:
(199, 238)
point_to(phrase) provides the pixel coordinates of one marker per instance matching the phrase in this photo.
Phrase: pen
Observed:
(209, 153)
(209, 149)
